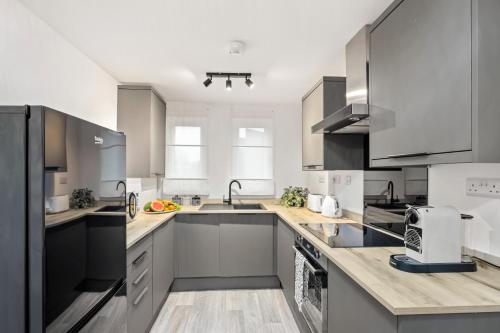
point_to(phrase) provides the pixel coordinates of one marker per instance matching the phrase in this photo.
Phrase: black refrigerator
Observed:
(66, 271)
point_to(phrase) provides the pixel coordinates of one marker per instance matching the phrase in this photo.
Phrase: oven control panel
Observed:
(312, 251)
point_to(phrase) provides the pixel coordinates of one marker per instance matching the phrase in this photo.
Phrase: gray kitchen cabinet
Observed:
(247, 245)
(197, 245)
(432, 66)
(139, 286)
(286, 259)
(351, 310)
(141, 116)
(163, 263)
(328, 151)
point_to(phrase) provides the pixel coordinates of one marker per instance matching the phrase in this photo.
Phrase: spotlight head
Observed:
(249, 83)
(229, 84)
(207, 82)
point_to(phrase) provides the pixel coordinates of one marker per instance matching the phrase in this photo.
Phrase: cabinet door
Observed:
(197, 245)
(420, 79)
(347, 300)
(157, 145)
(163, 263)
(286, 259)
(312, 144)
(247, 245)
(134, 119)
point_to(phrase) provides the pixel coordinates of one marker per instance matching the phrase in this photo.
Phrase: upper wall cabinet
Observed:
(328, 151)
(433, 73)
(141, 116)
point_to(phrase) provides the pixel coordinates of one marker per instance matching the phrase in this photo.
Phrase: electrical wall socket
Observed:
(483, 187)
(321, 179)
(336, 179)
(348, 180)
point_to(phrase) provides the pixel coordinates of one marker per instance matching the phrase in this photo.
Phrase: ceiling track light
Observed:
(249, 82)
(228, 76)
(208, 81)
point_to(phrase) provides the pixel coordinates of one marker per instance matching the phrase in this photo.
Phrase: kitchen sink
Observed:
(232, 207)
(111, 209)
(248, 206)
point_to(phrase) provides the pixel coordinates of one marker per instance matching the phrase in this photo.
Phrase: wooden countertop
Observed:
(399, 292)
(144, 224)
(411, 294)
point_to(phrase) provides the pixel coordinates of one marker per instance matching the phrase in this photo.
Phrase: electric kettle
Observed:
(331, 207)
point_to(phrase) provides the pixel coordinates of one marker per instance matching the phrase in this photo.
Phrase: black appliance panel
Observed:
(85, 262)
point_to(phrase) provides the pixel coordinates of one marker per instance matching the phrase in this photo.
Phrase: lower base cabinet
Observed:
(224, 245)
(285, 257)
(352, 310)
(163, 263)
(150, 274)
(197, 245)
(247, 245)
(140, 286)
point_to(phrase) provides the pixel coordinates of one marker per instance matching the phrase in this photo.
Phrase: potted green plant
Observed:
(294, 196)
(82, 198)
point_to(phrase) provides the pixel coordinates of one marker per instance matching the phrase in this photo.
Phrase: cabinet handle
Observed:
(140, 277)
(141, 296)
(407, 155)
(312, 166)
(140, 258)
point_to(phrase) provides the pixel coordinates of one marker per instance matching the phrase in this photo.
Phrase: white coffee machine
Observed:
(433, 235)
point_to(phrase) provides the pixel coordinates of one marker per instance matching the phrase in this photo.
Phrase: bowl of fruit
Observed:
(160, 206)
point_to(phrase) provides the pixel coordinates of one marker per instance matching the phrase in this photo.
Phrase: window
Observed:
(186, 157)
(209, 144)
(252, 153)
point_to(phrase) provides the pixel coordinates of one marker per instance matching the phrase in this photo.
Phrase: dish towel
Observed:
(299, 278)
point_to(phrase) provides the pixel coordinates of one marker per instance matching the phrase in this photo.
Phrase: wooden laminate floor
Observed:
(219, 311)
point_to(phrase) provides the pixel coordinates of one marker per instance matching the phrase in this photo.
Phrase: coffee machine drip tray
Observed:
(407, 264)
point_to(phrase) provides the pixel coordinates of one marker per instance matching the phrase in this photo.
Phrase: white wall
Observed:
(447, 187)
(39, 67)
(287, 144)
(349, 193)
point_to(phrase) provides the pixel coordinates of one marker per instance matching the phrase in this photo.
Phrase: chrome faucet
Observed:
(390, 190)
(229, 201)
(124, 193)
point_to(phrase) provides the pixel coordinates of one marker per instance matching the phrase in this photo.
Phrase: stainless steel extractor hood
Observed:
(352, 118)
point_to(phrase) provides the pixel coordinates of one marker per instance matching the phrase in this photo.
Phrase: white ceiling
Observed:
(172, 43)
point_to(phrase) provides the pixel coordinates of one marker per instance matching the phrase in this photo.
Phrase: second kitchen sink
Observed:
(232, 207)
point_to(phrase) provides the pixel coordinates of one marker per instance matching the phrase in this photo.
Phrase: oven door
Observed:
(315, 295)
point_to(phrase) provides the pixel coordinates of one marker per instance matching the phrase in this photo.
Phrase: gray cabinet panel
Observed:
(352, 310)
(163, 263)
(450, 323)
(420, 79)
(312, 144)
(140, 310)
(158, 127)
(247, 245)
(286, 259)
(141, 116)
(197, 245)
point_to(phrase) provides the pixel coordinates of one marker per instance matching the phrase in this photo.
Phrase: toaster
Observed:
(314, 202)
(433, 235)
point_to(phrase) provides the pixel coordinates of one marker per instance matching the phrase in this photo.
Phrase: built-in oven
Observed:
(313, 286)
(85, 273)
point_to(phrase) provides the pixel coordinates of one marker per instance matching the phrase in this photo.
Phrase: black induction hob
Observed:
(353, 235)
